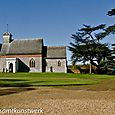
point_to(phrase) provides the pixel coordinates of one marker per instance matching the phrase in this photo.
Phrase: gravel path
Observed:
(57, 101)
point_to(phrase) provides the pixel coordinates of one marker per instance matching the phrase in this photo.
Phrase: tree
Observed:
(111, 30)
(87, 46)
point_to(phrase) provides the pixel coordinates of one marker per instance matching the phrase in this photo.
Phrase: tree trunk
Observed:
(90, 69)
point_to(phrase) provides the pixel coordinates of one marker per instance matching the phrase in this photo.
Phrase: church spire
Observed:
(7, 27)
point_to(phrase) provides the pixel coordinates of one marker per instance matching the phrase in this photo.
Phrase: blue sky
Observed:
(53, 20)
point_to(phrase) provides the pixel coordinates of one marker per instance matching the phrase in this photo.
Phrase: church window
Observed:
(32, 63)
(59, 63)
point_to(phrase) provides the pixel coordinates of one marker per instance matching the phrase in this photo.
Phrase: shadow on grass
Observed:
(14, 83)
(9, 91)
(12, 80)
(62, 85)
(23, 84)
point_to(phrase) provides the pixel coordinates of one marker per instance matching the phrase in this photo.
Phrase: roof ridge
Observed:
(56, 46)
(26, 39)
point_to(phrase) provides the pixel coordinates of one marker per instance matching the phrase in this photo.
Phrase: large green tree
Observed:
(108, 31)
(87, 46)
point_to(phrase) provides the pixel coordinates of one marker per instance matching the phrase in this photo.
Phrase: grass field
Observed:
(52, 79)
(20, 82)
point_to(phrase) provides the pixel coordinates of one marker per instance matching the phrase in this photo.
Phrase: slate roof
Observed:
(56, 52)
(29, 46)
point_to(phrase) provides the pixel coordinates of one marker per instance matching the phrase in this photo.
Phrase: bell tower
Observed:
(7, 36)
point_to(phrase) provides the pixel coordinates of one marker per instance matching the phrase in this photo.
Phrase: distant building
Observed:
(30, 55)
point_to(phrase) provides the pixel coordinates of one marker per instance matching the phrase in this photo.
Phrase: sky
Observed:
(53, 20)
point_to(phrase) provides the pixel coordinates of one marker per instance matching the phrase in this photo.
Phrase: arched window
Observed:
(59, 63)
(32, 63)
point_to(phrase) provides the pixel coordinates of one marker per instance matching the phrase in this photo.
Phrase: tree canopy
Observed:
(87, 46)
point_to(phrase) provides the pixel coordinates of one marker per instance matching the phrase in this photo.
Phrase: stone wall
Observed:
(52, 65)
(38, 63)
(2, 64)
(23, 64)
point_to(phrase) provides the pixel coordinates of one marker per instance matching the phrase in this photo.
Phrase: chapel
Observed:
(31, 55)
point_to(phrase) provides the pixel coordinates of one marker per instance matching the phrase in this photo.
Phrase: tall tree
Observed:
(87, 46)
(111, 30)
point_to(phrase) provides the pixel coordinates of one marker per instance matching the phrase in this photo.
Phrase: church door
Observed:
(51, 69)
(10, 67)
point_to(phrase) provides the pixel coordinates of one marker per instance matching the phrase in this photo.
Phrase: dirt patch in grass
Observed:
(8, 91)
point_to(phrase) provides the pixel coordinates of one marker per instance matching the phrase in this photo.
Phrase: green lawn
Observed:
(52, 79)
